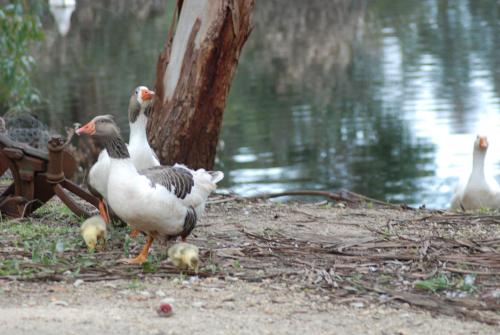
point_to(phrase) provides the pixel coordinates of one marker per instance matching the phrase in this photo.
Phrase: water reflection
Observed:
(327, 126)
(382, 97)
(110, 49)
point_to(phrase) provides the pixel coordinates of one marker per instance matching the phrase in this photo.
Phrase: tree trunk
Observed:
(193, 76)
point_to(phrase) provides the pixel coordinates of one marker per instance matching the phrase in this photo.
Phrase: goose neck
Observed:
(116, 147)
(478, 163)
(138, 130)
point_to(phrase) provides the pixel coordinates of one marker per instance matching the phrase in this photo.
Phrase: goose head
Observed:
(105, 129)
(140, 102)
(479, 154)
(100, 126)
(481, 143)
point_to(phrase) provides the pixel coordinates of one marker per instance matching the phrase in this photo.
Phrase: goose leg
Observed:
(134, 233)
(103, 211)
(143, 255)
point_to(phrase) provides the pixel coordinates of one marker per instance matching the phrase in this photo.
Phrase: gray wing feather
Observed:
(175, 179)
(189, 222)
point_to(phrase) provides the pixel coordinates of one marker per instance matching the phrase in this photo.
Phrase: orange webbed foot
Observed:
(143, 255)
(140, 259)
(103, 211)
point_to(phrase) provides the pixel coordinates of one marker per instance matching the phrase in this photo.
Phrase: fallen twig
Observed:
(326, 194)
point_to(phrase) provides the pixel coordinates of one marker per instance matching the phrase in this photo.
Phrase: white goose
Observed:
(479, 191)
(140, 152)
(162, 201)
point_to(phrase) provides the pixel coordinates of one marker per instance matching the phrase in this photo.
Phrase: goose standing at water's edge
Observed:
(162, 201)
(141, 154)
(479, 191)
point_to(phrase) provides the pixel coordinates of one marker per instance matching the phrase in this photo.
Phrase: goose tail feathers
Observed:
(216, 176)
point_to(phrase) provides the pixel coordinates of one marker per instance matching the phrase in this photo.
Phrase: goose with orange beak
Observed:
(141, 154)
(480, 191)
(161, 201)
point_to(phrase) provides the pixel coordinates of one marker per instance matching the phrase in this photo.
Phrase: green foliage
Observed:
(152, 264)
(43, 244)
(442, 282)
(56, 211)
(434, 284)
(19, 26)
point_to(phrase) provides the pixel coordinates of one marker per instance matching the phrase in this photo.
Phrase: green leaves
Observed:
(434, 284)
(442, 282)
(20, 26)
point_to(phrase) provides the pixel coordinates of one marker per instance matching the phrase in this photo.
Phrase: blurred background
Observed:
(381, 97)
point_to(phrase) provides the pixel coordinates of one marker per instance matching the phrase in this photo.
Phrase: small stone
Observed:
(198, 304)
(384, 298)
(67, 273)
(160, 294)
(60, 303)
(78, 282)
(145, 294)
(228, 298)
(357, 304)
(60, 247)
(495, 294)
(469, 279)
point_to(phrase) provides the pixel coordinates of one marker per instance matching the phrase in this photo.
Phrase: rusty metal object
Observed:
(39, 176)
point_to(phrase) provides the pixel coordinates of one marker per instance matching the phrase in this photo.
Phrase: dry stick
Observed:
(330, 195)
(375, 201)
(221, 201)
(479, 273)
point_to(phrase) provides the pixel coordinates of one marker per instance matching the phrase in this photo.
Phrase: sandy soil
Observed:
(255, 297)
(208, 306)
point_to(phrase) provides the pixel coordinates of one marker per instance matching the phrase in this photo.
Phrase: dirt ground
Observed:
(276, 268)
(208, 306)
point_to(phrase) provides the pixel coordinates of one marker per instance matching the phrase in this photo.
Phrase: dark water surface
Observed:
(381, 97)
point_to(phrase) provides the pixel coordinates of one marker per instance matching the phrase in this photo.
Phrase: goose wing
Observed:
(176, 179)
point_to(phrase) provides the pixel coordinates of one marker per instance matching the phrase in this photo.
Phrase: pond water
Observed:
(381, 97)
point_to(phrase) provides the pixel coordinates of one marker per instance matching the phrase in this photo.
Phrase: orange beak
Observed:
(88, 129)
(147, 95)
(483, 142)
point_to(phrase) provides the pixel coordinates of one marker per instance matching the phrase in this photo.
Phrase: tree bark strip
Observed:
(193, 77)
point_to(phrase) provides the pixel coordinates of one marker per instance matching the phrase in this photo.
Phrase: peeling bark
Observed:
(193, 77)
